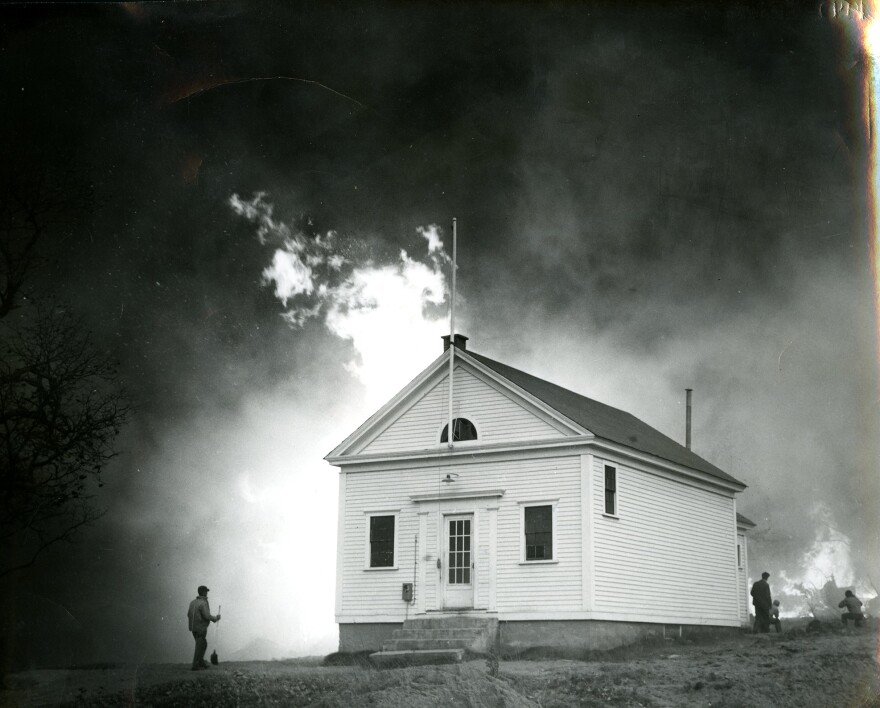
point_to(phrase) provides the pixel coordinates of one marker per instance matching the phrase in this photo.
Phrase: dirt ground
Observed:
(833, 669)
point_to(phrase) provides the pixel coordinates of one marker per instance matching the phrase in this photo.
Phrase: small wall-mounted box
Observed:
(407, 592)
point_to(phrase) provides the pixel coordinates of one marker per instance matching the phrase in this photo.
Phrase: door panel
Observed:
(459, 572)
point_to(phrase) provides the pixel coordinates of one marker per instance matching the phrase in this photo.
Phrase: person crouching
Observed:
(853, 609)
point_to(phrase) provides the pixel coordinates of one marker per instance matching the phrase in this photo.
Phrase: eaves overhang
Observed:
(581, 444)
(662, 463)
(744, 523)
(575, 435)
(453, 455)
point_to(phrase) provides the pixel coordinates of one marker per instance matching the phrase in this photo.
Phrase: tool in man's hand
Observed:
(214, 659)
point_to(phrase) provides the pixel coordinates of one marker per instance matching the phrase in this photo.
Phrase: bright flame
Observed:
(829, 557)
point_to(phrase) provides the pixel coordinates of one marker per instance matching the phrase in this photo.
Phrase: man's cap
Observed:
(765, 575)
(202, 590)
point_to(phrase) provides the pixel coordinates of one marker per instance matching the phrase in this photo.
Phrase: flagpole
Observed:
(449, 434)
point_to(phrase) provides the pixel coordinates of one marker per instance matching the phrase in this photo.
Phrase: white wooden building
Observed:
(567, 520)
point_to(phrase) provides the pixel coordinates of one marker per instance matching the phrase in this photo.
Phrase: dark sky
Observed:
(650, 197)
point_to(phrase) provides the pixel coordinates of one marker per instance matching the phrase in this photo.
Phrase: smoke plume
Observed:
(392, 313)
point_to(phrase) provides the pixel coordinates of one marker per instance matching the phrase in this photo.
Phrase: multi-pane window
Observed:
(382, 541)
(459, 551)
(610, 490)
(462, 429)
(538, 524)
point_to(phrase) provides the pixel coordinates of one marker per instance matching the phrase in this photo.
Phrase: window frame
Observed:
(368, 515)
(739, 556)
(471, 420)
(614, 514)
(523, 505)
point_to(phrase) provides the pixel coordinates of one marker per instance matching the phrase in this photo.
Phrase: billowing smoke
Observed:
(392, 313)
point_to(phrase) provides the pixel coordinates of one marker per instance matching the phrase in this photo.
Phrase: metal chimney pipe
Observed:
(687, 425)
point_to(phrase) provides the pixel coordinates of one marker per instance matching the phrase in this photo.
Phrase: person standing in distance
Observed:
(762, 601)
(199, 615)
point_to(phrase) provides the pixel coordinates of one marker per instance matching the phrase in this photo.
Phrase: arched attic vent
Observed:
(462, 429)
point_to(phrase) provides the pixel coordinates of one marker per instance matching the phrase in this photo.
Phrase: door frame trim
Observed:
(444, 539)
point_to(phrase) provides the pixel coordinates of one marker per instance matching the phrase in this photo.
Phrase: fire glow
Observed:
(871, 44)
(368, 303)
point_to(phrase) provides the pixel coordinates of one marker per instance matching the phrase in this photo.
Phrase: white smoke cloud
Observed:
(290, 275)
(391, 312)
(260, 212)
(432, 235)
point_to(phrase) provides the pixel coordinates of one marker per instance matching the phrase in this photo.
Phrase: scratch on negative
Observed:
(779, 360)
(200, 91)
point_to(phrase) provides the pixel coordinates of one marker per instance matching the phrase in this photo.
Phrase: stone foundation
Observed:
(365, 636)
(593, 635)
(513, 637)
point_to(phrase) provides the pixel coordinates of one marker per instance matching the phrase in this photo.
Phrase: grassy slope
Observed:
(831, 669)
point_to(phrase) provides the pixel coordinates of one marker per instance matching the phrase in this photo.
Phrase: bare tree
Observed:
(35, 202)
(61, 406)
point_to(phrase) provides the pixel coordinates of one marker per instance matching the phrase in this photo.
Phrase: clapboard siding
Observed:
(375, 592)
(534, 587)
(518, 587)
(742, 581)
(670, 552)
(497, 416)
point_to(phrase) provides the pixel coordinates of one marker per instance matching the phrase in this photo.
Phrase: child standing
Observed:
(774, 616)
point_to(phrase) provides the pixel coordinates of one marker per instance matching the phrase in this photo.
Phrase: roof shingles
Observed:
(603, 421)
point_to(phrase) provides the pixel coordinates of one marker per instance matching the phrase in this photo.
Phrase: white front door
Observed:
(458, 576)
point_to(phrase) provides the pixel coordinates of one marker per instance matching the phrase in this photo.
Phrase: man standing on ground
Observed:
(762, 601)
(199, 615)
(853, 609)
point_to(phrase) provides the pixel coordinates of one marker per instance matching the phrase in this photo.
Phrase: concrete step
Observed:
(439, 633)
(392, 659)
(449, 621)
(444, 632)
(415, 644)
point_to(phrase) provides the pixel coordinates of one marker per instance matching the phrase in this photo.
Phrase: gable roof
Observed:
(603, 421)
(744, 521)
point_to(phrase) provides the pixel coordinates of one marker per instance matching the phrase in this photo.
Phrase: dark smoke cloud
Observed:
(648, 199)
